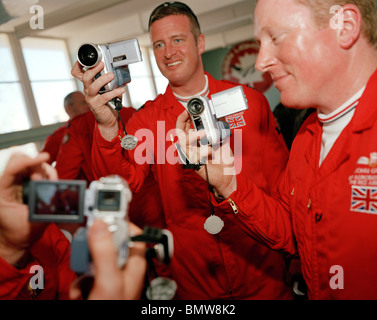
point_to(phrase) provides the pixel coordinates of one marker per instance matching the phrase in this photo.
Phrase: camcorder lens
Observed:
(195, 107)
(88, 55)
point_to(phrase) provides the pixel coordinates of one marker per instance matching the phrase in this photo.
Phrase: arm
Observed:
(16, 233)
(108, 157)
(264, 218)
(107, 118)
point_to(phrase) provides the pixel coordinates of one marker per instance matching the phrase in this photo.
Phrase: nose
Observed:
(169, 51)
(265, 59)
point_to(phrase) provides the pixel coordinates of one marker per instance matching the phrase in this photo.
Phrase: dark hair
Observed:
(175, 8)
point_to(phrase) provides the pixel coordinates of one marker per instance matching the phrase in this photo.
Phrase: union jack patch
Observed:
(364, 199)
(236, 121)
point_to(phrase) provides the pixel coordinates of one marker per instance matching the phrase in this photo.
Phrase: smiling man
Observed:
(321, 54)
(226, 265)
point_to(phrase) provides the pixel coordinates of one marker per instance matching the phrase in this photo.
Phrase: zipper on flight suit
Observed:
(233, 205)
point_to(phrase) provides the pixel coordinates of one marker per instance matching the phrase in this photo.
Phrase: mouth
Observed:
(173, 64)
(278, 79)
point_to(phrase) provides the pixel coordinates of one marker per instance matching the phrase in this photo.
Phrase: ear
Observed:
(201, 44)
(350, 25)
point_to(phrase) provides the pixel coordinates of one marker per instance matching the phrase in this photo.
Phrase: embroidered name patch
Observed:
(363, 183)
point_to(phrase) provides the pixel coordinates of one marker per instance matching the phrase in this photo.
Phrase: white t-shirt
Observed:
(334, 123)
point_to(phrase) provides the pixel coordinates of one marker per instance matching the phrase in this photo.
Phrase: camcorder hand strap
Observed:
(128, 142)
(213, 224)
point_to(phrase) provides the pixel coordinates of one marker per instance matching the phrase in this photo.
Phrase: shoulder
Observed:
(149, 111)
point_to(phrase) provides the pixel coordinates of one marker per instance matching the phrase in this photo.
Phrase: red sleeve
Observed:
(264, 218)
(261, 202)
(108, 157)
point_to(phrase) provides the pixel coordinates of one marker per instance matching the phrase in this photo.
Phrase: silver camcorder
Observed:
(116, 57)
(107, 199)
(205, 113)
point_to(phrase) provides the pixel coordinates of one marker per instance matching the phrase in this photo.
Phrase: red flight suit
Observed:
(223, 266)
(53, 142)
(327, 214)
(52, 253)
(74, 161)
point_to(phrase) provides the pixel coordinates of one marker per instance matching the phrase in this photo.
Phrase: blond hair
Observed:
(322, 14)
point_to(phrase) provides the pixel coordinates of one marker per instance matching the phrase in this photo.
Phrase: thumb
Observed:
(104, 257)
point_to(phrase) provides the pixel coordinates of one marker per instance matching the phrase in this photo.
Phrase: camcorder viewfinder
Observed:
(205, 113)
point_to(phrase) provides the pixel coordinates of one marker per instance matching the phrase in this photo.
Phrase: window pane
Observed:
(13, 116)
(8, 71)
(160, 81)
(141, 87)
(49, 97)
(46, 59)
(29, 149)
(141, 90)
(49, 70)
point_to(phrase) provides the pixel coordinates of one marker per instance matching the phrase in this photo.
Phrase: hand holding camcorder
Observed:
(116, 58)
(205, 113)
(107, 199)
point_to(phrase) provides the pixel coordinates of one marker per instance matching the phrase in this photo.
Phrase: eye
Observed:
(158, 45)
(277, 38)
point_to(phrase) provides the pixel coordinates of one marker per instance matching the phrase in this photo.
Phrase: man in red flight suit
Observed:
(74, 105)
(74, 161)
(326, 210)
(205, 266)
(34, 258)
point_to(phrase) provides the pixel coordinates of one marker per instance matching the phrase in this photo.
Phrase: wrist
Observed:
(108, 132)
(224, 192)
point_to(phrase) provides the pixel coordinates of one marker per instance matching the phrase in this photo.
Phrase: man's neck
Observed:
(355, 77)
(189, 89)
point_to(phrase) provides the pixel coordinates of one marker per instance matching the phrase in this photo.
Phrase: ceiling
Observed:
(223, 22)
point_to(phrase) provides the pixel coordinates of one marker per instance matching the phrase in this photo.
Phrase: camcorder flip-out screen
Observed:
(55, 201)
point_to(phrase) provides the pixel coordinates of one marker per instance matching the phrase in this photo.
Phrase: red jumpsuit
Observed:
(53, 142)
(224, 266)
(75, 162)
(52, 253)
(329, 213)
